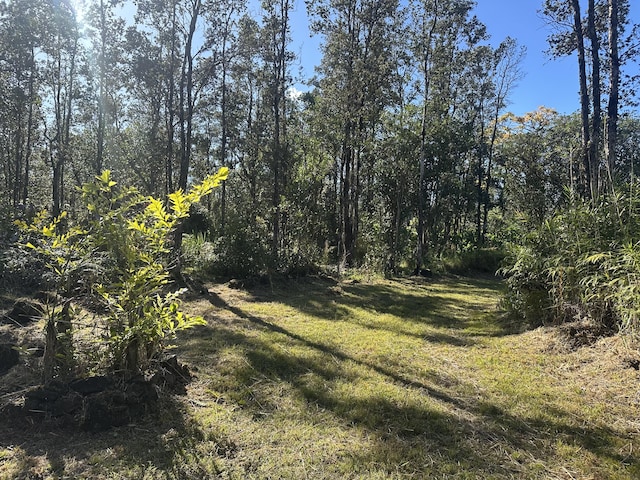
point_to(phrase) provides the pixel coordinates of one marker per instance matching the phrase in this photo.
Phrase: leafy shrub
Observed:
(118, 256)
(198, 221)
(19, 271)
(481, 260)
(299, 262)
(196, 249)
(528, 286)
(584, 263)
(243, 251)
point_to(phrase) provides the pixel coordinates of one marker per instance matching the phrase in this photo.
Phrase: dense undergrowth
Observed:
(581, 264)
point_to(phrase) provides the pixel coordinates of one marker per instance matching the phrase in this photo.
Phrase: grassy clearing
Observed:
(386, 379)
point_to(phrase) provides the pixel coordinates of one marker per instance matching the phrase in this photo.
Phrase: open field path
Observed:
(377, 379)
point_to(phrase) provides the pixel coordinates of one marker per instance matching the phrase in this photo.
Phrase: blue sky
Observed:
(547, 82)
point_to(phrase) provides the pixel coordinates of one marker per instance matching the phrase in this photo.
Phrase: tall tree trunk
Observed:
(397, 224)
(224, 133)
(480, 175)
(596, 120)
(187, 98)
(279, 39)
(614, 83)
(277, 153)
(101, 91)
(17, 154)
(61, 144)
(584, 99)
(426, 79)
(347, 155)
(30, 127)
(168, 183)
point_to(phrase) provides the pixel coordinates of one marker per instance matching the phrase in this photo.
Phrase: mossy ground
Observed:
(383, 379)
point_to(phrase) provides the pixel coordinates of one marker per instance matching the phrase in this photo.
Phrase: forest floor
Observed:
(370, 379)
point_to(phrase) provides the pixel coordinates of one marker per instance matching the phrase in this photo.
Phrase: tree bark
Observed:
(224, 124)
(168, 183)
(101, 91)
(584, 100)
(614, 79)
(596, 119)
(426, 78)
(187, 98)
(30, 127)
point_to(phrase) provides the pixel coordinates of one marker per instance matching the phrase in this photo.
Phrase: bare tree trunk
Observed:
(279, 24)
(30, 126)
(101, 91)
(17, 154)
(224, 134)
(426, 63)
(61, 144)
(168, 183)
(186, 124)
(186, 98)
(614, 83)
(584, 99)
(347, 240)
(480, 175)
(596, 120)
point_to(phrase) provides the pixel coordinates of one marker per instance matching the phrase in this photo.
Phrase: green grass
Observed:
(388, 379)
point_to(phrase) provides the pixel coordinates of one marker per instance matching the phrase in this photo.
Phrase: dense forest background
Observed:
(401, 156)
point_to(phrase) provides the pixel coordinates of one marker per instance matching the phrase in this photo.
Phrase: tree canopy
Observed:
(400, 153)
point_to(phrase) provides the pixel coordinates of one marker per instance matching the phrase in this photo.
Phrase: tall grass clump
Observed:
(581, 264)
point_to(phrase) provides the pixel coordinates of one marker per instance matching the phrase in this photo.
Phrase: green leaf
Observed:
(597, 257)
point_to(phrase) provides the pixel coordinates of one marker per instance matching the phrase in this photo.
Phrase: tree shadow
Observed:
(440, 423)
(44, 447)
(468, 431)
(326, 349)
(425, 311)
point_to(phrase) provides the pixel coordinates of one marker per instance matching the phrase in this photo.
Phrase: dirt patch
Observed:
(23, 313)
(582, 333)
(96, 403)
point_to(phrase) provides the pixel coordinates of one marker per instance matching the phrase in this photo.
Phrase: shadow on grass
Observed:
(460, 314)
(467, 431)
(158, 446)
(330, 350)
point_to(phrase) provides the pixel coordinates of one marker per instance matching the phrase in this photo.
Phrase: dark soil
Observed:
(93, 403)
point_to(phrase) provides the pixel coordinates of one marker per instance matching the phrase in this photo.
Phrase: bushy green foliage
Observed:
(479, 260)
(118, 256)
(528, 284)
(197, 252)
(198, 221)
(243, 251)
(17, 271)
(583, 263)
